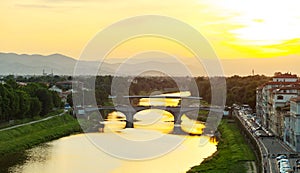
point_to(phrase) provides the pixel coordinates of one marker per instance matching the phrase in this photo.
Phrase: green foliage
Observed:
(40, 79)
(56, 99)
(19, 102)
(45, 98)
(233, 152)
(243, 89)
(24, 104)
(12, 83)
(70, 100)
(148, 85)
(240, 90)
(35, 107)
(21, 138)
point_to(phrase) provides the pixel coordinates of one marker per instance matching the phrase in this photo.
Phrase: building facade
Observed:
(278, 105)
(291, 135)
(273, 95)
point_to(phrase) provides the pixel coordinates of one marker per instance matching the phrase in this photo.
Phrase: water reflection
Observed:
(78, 154)
(154, 119)
(115, 121)
(164, 101)
(191, 126)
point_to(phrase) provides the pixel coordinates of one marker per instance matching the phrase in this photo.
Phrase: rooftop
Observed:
(278, 89)
(284, 75)
(295, 99)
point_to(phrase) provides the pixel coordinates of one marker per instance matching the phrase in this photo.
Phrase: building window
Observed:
(279, 97)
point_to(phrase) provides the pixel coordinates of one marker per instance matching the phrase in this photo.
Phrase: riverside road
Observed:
(270, 146)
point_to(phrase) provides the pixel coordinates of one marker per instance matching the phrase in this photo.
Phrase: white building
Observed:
(56, 89)
(292, 125)
(273, 94)
(279, 98)
(286, 77)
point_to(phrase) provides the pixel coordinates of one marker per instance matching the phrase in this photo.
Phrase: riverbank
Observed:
(233, 154)
(25, 137)
(4, 125)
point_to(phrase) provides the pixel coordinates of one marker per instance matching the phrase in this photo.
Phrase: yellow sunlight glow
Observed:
(265, 22)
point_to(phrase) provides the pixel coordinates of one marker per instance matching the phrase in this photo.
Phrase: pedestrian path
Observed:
(251, 167)
(32, 122)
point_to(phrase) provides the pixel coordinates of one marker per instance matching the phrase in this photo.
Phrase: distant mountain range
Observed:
(12, 63)
(23, 64)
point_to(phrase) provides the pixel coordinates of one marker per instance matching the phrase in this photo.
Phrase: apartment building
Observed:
(273, 95)
(291, 135)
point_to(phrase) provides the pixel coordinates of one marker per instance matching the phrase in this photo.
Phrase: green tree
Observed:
(45, 98)
(12, 83)
(35, 107)
(12, 102)
(56, 99)
(24, 103)
(70, 100)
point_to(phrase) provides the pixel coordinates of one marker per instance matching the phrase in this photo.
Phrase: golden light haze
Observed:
(236, 29)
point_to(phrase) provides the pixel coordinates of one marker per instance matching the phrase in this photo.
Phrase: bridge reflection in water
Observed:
(76, 154)
(176, 110)
(156, 120)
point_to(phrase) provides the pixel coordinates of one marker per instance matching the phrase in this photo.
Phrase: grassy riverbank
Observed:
(22, 138)
(26, 120)
(232, 155)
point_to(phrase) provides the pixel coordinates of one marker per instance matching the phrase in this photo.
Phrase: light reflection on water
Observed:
(154, 119)
(76, 153)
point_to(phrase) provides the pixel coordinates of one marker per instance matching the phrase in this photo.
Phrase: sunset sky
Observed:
(236, 29)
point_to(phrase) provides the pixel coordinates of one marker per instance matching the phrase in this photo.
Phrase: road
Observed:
(269, 146)
(32, 122)
(276, 146)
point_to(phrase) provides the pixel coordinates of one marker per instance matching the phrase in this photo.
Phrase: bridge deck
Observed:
(160, 96)
(167, 108)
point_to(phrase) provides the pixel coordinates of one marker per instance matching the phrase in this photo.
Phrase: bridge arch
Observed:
(129, 112)
(154, 119)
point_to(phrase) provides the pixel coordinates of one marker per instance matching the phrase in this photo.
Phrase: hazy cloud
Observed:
(34, 6)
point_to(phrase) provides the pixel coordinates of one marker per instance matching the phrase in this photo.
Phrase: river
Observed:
(149, 148)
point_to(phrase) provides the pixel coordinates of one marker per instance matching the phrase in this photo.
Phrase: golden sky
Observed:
(236, 29)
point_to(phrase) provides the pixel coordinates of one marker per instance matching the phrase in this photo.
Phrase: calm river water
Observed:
(153, 149)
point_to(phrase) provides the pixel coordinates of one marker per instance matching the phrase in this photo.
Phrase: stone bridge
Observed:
(130, 111)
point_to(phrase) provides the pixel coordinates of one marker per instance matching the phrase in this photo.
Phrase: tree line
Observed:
(19, 102)
(240, 90)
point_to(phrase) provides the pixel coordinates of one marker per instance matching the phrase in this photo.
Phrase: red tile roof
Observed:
(286, 88)
(285, 75)
(283, 83)
(295, 99)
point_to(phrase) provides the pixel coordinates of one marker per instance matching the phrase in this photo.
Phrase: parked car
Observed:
(283, 161)
(260, 133)
(293, 155)
(281, 157)
(298, 164)
(284, 167)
